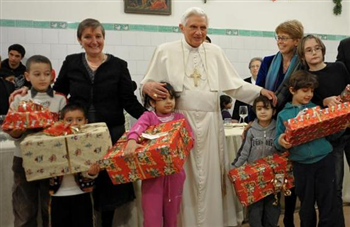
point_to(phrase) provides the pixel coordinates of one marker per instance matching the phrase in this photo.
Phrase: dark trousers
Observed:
(26, 197)
(72, 211)
(339, 146)
(263, 213)
(315, 183)
(289, 208)
(109, 197)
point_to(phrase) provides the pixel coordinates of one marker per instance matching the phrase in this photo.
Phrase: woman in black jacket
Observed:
(101, 83)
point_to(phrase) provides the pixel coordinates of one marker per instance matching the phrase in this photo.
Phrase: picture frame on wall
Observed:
(156, 7)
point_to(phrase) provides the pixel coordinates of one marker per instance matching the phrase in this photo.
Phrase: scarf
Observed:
(272, 74)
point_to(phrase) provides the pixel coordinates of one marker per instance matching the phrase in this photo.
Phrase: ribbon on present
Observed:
(61, 129)
(30, 106)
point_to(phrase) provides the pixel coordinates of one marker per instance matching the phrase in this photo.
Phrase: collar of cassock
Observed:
(49, 92)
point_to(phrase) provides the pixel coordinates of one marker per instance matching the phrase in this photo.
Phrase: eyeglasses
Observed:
(282, 38)
(254, 66)
(310, 50)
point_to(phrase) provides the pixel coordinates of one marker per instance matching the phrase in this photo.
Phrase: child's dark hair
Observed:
(172, 93)
(4, 73)
(302, 79)
(37, 59)
(224, 100)
(267, 102)
(72, 107)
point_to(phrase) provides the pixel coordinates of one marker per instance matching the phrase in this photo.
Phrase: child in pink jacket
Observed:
(161, 197)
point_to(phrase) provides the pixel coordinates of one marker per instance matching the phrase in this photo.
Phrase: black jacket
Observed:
(111, 92)
(6, 88)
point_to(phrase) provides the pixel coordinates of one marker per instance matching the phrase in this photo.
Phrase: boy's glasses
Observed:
(282, 38)
(310, 50)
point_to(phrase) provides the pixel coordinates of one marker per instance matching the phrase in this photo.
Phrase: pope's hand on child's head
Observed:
(94, 169)
(283, 142)
(131, 146)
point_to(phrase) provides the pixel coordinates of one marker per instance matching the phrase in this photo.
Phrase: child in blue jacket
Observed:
(313, 165)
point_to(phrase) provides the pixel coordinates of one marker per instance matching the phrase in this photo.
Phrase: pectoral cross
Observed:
(196, 76)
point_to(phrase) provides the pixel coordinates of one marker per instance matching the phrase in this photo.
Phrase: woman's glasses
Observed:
(282, 38)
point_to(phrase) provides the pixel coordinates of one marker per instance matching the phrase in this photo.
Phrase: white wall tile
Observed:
(136, 53)
(237, 42)
(129, 38)
(231, 54)
(171, 37)
(108, 49)
(157, 38)
(3, 35)
(50, 36)
(33, 35)
(58, 51)
(144, 39)
(113, 38)
(225, 42)
(74, 48)
(132, 68)
(30, 50)
(142, 67)
(243, 56)
(66, 36)
(43, 49)
(148, 53)
(16, 35)
(122, 52)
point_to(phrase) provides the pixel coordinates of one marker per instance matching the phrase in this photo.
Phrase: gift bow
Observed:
(61, 129)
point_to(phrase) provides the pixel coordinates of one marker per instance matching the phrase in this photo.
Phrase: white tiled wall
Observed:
(136, 47)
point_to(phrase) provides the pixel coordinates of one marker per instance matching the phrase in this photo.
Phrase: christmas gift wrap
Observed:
(266, 176)
(29, 115)
(315, 123)
(46, 156)
(161, 156)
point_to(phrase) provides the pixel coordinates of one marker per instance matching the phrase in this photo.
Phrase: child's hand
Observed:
(282, 141)
(331, 101)
(131, 146)
(94, 169)
(16, 133)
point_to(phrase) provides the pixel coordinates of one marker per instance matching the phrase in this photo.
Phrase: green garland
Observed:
(338, 7)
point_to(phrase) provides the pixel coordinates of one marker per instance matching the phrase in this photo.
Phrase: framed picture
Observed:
(158, 7)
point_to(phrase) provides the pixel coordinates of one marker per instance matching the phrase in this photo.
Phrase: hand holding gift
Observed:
(131, 147)
(94, 169)
(283, 142)
(345, 95)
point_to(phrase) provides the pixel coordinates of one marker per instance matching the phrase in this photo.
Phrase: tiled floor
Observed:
(297, 222)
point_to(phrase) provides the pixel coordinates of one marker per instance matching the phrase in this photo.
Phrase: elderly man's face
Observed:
(195, 30)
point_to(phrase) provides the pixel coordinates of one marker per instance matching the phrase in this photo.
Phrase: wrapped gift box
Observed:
(47, 156)
(316, 123)
(29, 115)
(162, 156)
(345, 95)
(266, 176)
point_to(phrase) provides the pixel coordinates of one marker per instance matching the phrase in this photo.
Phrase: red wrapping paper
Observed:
(163, 156)
(315, 123)
(266, 176)
(29, 115)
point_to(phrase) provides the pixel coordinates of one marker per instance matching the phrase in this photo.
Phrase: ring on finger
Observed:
(155, 95)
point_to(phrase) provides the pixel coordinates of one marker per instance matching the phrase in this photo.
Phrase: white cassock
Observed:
(208, 196)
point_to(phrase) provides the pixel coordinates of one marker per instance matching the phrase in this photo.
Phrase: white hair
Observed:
(193, 11)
